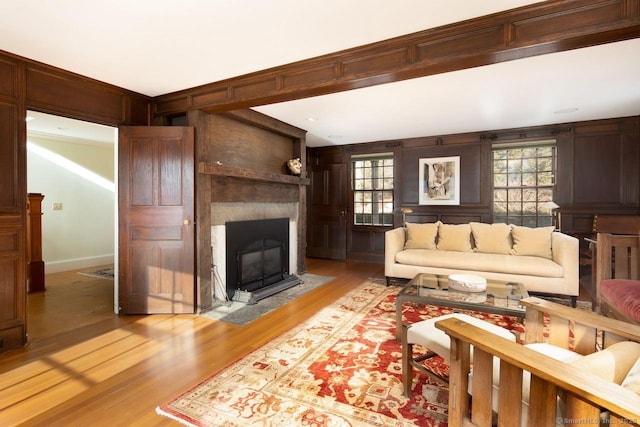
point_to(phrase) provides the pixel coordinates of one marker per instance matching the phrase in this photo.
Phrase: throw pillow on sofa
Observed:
(632, 380)
(454, 237)
(421, 236)
(613, 363)
(492, 238)
(532, 241)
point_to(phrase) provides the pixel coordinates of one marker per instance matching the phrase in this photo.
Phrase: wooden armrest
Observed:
(587, 387)
(583, 317)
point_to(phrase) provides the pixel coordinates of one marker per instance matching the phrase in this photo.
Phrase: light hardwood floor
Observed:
(85, 366)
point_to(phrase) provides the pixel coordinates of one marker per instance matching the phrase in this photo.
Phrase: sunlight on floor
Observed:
(67, 373)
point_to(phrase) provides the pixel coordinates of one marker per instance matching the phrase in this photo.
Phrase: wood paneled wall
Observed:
(598, 169)
(29, 85)
(598, 172)
(602, 172)
(13, 205)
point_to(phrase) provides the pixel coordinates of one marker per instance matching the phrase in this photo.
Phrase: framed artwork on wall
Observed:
(440, 181)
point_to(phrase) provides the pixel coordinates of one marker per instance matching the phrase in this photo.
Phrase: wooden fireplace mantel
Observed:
(251, 174)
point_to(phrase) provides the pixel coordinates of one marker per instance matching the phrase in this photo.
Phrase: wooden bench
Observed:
(585, 394)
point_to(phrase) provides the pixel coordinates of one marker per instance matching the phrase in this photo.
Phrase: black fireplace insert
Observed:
(257, 253)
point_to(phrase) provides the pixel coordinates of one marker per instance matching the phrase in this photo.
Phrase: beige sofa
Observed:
(544, 260)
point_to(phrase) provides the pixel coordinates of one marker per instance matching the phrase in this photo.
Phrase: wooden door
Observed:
(327, 215)
(156, 220)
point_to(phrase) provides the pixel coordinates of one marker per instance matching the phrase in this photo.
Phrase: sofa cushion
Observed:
(612, 363)
(624, 294)
(632, 380)
(532, 241)
(492, 238)
(428, 335)
(454, 237)
(476, 261)
(421, 236)
(557, 353)
(550, 350)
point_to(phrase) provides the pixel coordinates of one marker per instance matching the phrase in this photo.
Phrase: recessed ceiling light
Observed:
(29, 118)
(566, 110)
(312, 119)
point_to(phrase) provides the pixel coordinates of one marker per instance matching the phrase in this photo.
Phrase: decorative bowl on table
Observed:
(467, 283)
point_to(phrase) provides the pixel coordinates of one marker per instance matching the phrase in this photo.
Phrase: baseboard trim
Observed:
(78, 263)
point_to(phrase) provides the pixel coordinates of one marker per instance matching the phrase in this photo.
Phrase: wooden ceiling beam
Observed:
(537, 29)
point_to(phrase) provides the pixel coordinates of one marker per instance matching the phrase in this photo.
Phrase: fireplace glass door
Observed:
(260, 267)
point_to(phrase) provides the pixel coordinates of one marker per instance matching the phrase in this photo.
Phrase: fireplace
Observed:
(257, 259)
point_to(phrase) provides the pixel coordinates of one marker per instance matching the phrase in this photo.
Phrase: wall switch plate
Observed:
(57, 206)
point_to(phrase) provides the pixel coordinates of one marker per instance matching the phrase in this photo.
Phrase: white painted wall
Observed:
(82, 233)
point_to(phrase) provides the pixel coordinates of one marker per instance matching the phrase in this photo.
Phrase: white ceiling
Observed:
(159, 46)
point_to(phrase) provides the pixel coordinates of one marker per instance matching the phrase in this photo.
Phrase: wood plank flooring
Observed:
(85, 366)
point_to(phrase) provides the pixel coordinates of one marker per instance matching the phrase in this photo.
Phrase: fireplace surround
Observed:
(270, 255)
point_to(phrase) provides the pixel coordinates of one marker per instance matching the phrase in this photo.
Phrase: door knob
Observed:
(186, 222)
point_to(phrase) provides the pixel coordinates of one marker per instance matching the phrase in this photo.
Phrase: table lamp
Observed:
(555, 214)
(405, 211)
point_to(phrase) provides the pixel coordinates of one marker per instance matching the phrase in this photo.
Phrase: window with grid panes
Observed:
(372, 182)
(523, 180)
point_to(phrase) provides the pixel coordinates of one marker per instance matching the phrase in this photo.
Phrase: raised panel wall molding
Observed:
(8, 82)
(83, 98)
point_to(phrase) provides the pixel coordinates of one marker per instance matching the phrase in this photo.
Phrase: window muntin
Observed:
(372, 182)
(523, 180)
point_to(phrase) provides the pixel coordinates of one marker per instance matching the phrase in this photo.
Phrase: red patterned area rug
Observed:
(341, 367)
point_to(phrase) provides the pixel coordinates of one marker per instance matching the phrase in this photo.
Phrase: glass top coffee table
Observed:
(501, 297)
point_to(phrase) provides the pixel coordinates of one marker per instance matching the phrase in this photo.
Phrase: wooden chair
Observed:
(585, 395)
(617, 274)
(613, 224)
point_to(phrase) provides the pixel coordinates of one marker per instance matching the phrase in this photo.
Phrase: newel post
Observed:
(35, 264)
